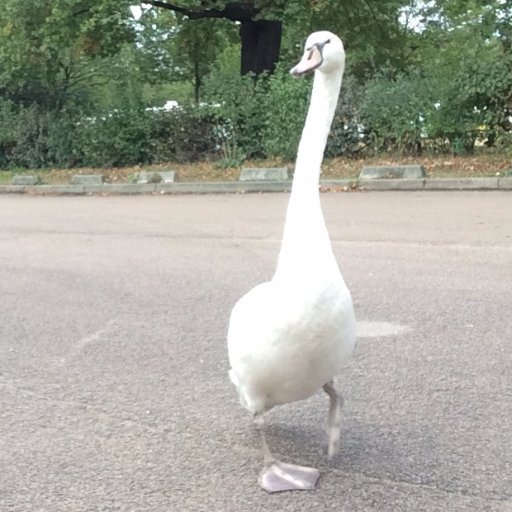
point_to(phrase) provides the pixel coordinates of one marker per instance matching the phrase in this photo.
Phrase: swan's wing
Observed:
(249, 321)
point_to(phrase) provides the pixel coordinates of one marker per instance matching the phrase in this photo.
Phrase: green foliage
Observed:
(263, 117)
(284, 106)
(370, 30)
(185, 134)
(457, 88)
(473, 86)
(469, 69)
(50, 51)
(231, 155)
(239, 104)
(347, 137)
(173, 48)
(31, 137)
(393, 111)
(78, 79)
(115, 138)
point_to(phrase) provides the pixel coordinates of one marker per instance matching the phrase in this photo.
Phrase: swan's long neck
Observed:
(305, 238)
(324, 97)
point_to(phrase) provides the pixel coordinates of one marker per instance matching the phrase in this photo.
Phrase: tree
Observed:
(371, 30)
(173, 49)
(370, 26)
(261, 38)
(51, 51)
(466, 53)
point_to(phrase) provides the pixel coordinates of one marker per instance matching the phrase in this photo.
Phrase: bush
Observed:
(31, 137)
(248, 118)
(470, 76)
(245, 118)
(265, 117)
(284, 102)
(240, 110)
(186, 134)
(347, 137)
(7, 133)
(393, 113)
(113, 139)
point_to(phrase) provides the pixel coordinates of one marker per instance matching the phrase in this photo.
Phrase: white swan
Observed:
(290, 336)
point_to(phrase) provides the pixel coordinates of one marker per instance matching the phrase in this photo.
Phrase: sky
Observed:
(137, 10)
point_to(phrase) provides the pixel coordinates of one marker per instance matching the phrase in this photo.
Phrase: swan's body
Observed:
(290, 336)
(296, 337)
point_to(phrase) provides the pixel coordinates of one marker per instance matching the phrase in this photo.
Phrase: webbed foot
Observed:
(280, 476)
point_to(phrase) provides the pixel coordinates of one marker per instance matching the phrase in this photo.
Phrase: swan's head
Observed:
(323, 52)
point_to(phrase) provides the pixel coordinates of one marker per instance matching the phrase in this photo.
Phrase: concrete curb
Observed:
(462, 184)
(225, 187)
(409, 172)
(49, 190)
(505, 183)
(391, 184)
(264, 174)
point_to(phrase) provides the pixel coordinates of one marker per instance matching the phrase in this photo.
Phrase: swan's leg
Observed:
(279, 476)
(334, 419)
(259, 422)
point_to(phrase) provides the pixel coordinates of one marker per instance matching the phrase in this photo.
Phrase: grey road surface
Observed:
(114, 393)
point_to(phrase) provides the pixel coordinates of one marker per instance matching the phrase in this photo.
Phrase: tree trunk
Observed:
(261, 44)
(261, 40)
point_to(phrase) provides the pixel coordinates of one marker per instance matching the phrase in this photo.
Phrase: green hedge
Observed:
(248, 120)
(266, 117)
(31, 137)
(254, 119)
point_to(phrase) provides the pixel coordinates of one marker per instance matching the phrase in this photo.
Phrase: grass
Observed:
(442, 166)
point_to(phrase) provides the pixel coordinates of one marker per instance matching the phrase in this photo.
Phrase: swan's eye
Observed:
(320, 46)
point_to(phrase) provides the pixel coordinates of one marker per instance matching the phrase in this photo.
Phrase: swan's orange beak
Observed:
(311, 59)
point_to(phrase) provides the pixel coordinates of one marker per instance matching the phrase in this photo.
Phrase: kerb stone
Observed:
(57, 190)
(87, 179)
(25, 180)
(409, 172)
(461, 184)
(264, 174)
(392, 184)
(129, 188)
(505, 183)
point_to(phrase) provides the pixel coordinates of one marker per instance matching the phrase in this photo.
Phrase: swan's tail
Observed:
(243, 399)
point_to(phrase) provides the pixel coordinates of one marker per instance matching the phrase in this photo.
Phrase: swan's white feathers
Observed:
(285, 342)
(290, 336)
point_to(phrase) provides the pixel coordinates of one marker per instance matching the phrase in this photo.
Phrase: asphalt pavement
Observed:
(114, 394)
